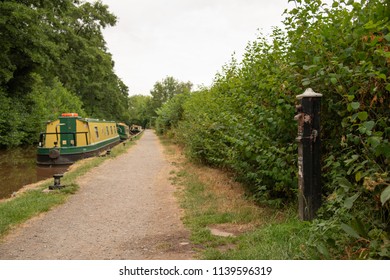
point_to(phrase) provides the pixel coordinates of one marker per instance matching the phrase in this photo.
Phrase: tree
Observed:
(140, 110)
(166, 89)
(170, 113)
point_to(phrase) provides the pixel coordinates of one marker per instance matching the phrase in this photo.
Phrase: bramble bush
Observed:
(345, 56)
(244, 121)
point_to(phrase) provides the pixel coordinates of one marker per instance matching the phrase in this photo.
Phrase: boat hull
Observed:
(69, 155)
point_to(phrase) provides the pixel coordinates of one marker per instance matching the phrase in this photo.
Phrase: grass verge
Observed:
(32, 202)
(225, 224)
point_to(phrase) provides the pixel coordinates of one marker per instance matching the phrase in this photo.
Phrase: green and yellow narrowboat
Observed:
(70, 138)
(123, 131)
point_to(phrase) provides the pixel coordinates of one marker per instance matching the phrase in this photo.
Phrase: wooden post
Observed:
(309, 144)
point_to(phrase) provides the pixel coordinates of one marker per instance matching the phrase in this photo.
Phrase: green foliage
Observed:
(244, 122)
(170, 113)
(347, 62)
(165, 90)
(22, 119)
(10, 121)
(140, 110)
(46, 102)
(279, 234)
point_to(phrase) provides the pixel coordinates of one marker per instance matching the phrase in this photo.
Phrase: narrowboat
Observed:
(71, 137)
(123, 131)
(135, 129)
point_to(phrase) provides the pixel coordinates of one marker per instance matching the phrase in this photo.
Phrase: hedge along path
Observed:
(125, 209)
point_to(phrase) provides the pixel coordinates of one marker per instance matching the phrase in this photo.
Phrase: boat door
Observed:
(68, 131)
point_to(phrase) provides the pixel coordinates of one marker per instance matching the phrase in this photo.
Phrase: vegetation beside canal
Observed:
(225, 223)
(245, 122)
(242, 229)
(35, 201)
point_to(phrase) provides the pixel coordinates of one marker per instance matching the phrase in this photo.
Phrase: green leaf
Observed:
(355, 105)
(382, 76)
(322, 249)
(385, 195)
(369, 125)
(333, 80)
(351, 160)
(248, 153)
(348, 203)
(344, 183)
(371, 25)
(363, 116)
(359, 227)
(358, 176)
(350, 231)
(374, 141)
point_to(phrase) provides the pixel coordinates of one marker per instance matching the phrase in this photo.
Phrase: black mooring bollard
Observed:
(309, 167)
(57, 182)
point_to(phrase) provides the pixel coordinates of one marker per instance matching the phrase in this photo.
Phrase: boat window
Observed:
(112, 132)
(97, 132)
(108, 132)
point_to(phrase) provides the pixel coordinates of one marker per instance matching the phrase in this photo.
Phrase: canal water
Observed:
(18, 168)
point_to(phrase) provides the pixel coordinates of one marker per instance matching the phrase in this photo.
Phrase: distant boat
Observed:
(135, 129)
(123, 131)
(70, 138)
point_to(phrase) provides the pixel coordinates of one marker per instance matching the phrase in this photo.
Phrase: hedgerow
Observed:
(245, 121)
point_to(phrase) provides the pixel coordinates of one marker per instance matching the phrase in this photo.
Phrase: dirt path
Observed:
(125, 209)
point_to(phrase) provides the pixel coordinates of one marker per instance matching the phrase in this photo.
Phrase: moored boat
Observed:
(123, 131)
(135, 129)
(71, 137)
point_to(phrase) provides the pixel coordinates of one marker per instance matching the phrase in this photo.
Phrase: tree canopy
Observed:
(166, 89)
(53, 54)
(140, 110)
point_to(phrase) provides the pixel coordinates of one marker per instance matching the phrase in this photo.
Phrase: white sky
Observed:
(188, 39)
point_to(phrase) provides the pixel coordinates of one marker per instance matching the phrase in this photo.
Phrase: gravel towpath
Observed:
(124, 209)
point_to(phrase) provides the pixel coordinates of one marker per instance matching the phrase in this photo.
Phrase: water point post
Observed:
(309, 144)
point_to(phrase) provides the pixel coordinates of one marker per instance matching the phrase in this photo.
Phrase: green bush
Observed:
(244, 122)
(344, 55)
(169, 114)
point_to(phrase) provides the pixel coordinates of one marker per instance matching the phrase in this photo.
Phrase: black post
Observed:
(309, 144)
(57, 182)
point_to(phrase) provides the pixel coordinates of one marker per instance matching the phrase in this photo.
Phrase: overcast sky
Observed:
(188, 39)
